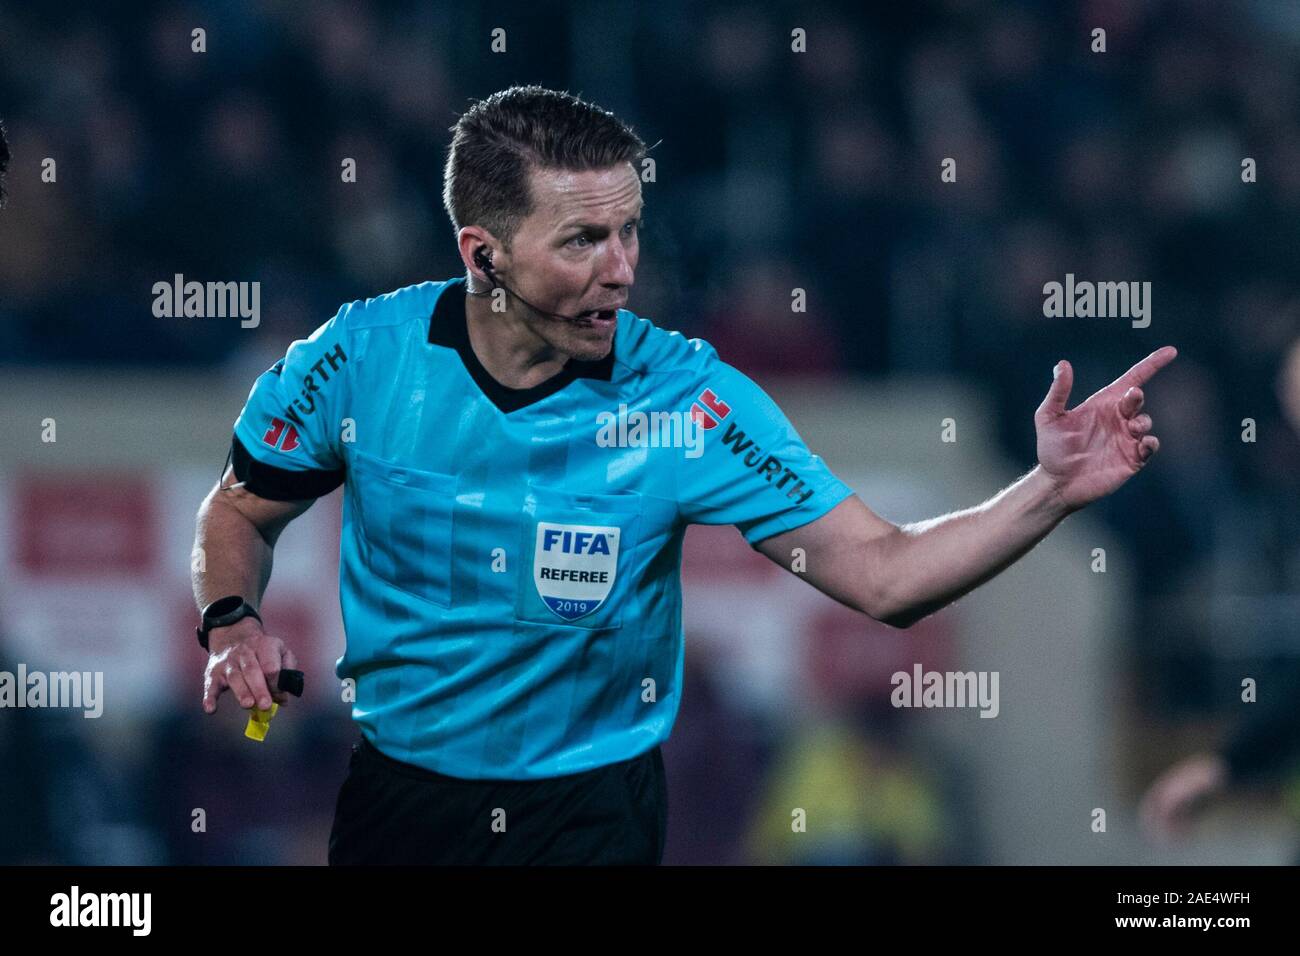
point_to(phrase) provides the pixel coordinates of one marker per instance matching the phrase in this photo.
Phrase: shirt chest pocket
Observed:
(579, 552)
(406, 523)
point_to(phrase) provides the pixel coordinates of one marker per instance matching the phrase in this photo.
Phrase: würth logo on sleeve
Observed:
(769, 467)
(280, 429)
(708, 409)
(305, 403)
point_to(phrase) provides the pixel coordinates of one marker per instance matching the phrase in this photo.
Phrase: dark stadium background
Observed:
(773, 171)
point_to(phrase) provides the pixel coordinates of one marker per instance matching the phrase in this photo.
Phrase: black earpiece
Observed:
(483, 260)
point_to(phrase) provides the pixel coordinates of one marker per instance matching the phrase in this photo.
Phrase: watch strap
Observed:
(220, 613)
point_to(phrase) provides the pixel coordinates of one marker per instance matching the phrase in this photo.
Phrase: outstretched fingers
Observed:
(1142, 372)
(1059, 392)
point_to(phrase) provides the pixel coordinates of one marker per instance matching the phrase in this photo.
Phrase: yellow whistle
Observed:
(259, 722)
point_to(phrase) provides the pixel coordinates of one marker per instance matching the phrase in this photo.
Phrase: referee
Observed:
(510, 560)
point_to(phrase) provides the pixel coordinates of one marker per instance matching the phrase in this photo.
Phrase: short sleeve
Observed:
(754, 471)
(286, 442)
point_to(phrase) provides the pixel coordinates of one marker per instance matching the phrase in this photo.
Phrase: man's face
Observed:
(576, 254)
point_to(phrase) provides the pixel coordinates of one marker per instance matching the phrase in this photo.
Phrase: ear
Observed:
(473, 243)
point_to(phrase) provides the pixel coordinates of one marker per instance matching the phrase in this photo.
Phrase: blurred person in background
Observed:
(1263, 751)
(864, 799)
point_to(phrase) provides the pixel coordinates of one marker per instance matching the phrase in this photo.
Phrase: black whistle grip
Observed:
(290, 682)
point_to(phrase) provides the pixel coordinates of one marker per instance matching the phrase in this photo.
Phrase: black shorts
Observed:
(389, 811)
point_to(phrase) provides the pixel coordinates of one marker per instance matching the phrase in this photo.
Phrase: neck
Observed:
(512, 353)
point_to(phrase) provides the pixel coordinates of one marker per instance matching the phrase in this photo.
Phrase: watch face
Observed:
(223, 606)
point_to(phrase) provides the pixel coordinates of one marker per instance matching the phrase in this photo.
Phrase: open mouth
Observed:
(598, 316)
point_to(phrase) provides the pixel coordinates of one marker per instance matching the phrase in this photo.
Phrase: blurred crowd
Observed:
(774, 171)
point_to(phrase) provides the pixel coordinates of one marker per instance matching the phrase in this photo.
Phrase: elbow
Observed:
(896, 615)
(892, 613)
(901, 619)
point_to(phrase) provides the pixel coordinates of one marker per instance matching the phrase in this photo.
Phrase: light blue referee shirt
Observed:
(510, 560)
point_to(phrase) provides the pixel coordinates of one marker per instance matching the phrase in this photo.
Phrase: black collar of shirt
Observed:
(448, 326)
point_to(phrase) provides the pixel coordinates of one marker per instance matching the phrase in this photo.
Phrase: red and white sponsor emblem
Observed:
(281, 429)
(708, 410)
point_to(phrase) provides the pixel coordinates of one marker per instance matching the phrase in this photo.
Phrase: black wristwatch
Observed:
(222, 613)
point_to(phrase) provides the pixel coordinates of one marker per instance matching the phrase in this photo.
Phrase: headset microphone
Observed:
(484, 262)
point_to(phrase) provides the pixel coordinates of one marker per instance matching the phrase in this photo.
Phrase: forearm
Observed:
(231, 554)
(932, 563)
